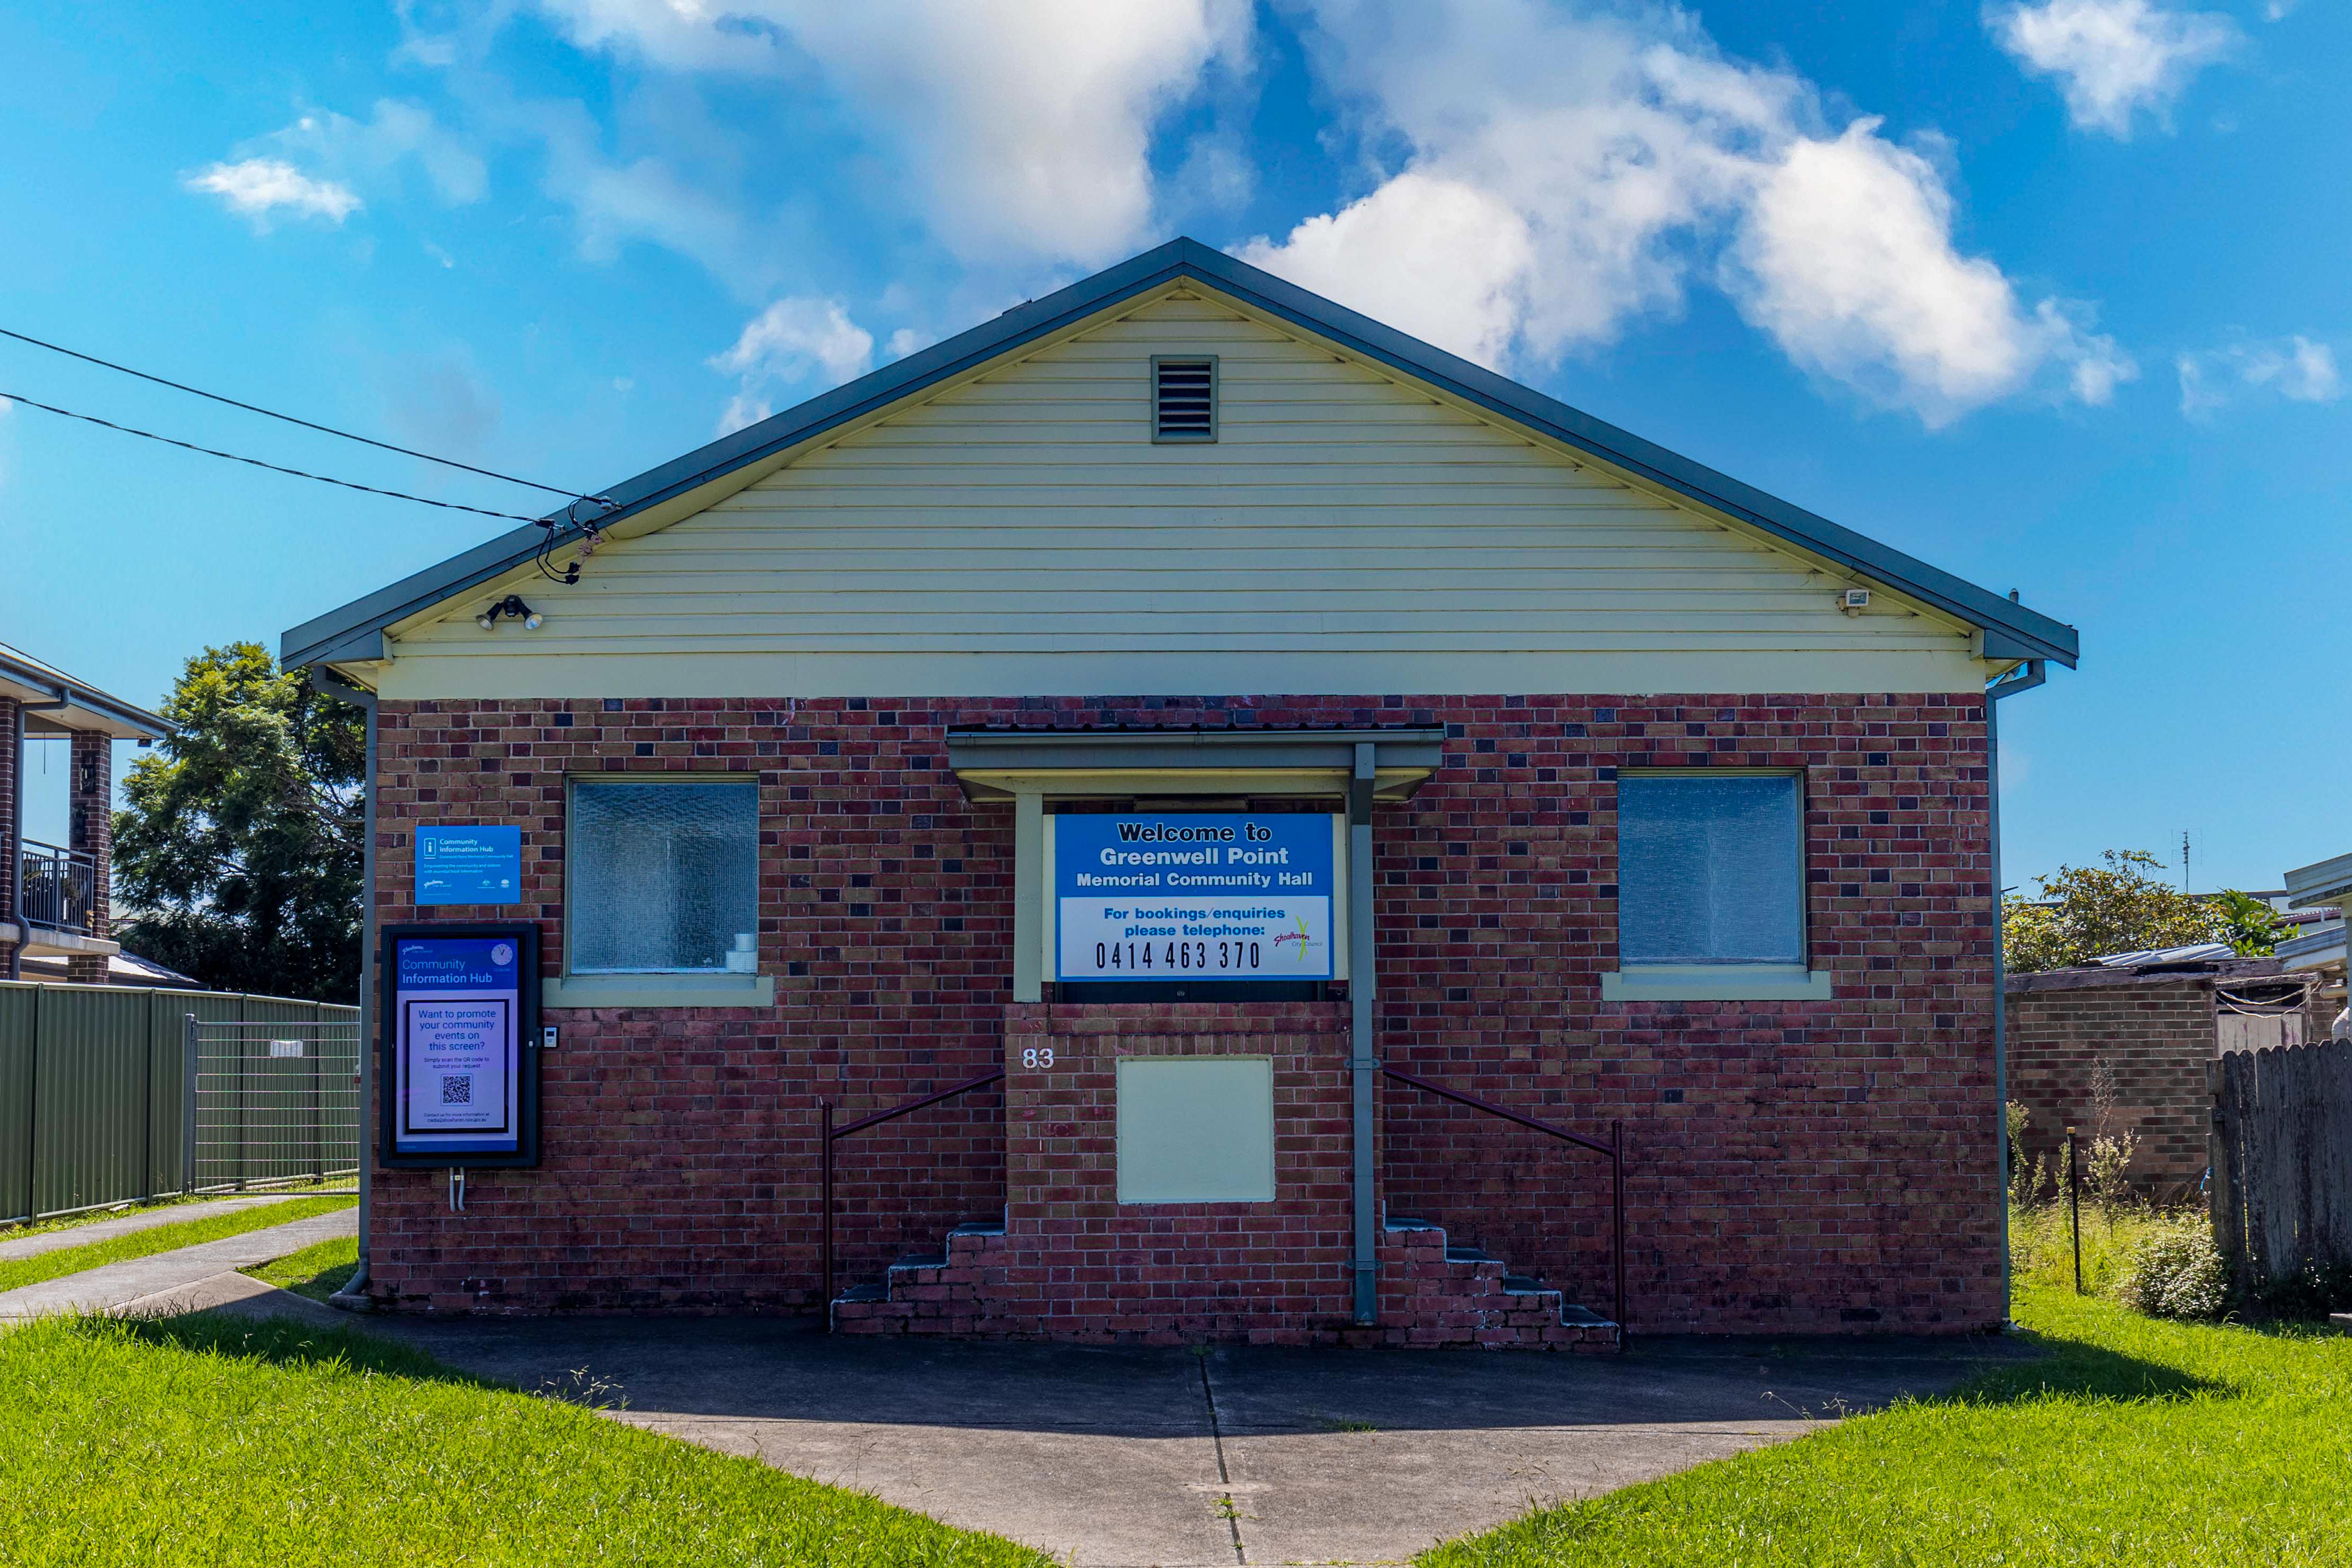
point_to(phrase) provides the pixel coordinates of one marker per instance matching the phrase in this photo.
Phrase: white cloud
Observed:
(1026, 123)
(1845, 255)
(1559, 173)
(1439, 258)
(2295, 368)
(258, 188)
(397, 131)
(793, 341)
(2113, 59)
(310, 167)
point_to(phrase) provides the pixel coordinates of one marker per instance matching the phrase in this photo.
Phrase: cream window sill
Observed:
(1715, 983)
(659, 991)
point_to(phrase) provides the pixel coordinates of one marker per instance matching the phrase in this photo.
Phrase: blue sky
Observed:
(2052, 295)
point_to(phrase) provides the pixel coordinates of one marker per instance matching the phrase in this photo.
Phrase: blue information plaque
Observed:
(468, 865)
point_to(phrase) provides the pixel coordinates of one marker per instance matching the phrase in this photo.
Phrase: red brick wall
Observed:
(1079, 1265)
(1796, 1166)
(2155, 1035)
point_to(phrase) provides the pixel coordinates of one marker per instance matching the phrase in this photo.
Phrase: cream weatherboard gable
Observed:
(1018, 532)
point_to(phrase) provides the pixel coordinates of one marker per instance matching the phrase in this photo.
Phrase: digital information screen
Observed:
(1198, 896)
(461, 1006)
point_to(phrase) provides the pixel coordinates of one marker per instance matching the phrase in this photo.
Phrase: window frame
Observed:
(1723, 979)
(655, 980)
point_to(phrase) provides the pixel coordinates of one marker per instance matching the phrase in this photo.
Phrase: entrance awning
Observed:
(996, 764)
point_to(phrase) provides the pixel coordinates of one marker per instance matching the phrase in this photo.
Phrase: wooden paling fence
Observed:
(2281, 1182)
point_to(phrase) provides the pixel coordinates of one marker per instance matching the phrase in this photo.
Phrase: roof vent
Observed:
(1183, 400)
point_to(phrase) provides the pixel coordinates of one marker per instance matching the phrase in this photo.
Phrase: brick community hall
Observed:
(1271, 780)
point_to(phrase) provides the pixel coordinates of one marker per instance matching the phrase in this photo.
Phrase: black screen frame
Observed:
(524, 934)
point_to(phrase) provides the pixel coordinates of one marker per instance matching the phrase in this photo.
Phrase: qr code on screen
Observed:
(457, 1089)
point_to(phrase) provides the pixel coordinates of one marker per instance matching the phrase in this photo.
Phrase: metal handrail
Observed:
(1614, 1148)
(833, 1134)
(60, 886)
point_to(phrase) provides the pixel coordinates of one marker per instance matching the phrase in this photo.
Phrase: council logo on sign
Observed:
(502, 954)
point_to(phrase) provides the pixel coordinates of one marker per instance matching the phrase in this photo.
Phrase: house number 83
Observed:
(1034, 1056)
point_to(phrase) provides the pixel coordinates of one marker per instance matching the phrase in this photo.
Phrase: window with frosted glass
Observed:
(664, 878)
(1710, 870)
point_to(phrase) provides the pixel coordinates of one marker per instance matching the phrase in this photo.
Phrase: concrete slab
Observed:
(1102, 1456)
(119, 1284)
(145, 1219)
(1117, 1459)
(1372, 1469)
(237, 1295)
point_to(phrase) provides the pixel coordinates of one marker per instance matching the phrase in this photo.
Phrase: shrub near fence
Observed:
(2282, 1192)
(94, 1088)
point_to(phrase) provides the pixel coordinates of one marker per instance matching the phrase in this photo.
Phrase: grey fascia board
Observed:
(90, 700)
(2045, 637)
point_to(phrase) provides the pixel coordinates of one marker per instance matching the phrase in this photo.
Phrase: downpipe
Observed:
(353, 1296)
(2037, 671)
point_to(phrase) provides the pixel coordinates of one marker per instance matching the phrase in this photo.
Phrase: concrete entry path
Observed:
(119, 1285)
(1118, 1458)
(98, 1230)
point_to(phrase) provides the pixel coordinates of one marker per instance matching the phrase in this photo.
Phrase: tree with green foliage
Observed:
(2093, 909)
(238, 854)
(2250, 927)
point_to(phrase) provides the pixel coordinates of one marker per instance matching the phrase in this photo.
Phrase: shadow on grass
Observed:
(2077, 1369)
(282, 1342)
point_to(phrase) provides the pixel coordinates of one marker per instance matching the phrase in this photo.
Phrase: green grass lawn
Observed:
(2135, 1441)
(161, 1239)
(125, 1210)
(201, 1439)
(317, 1271)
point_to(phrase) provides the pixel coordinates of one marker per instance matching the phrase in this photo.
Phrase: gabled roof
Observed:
(2010, 630)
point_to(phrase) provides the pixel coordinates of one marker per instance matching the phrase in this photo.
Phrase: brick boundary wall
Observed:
(1796, 1166)
(2156, 1035)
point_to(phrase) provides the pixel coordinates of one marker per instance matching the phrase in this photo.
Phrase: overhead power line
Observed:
(296, 473)
(289, 419)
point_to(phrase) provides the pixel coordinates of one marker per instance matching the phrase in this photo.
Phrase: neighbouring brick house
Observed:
(2142, 1037)
(55, 899)
(1653, 803)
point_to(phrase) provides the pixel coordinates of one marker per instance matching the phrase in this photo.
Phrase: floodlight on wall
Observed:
(510, 608)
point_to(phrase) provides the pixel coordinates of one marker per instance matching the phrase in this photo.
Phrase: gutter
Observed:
(353, 1296)
(62, 701)
(2036, 673)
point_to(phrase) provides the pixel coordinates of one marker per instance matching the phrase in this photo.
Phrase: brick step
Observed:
(1437, 1293)
(1433, 1294)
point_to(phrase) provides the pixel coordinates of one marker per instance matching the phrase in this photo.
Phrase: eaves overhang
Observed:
(999, 764)
(85, 707)
(2020, 633)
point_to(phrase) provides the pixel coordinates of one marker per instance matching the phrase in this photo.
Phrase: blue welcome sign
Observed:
(1192, 895)
(468, 865)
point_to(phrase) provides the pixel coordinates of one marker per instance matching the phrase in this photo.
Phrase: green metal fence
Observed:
(95, 1088)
